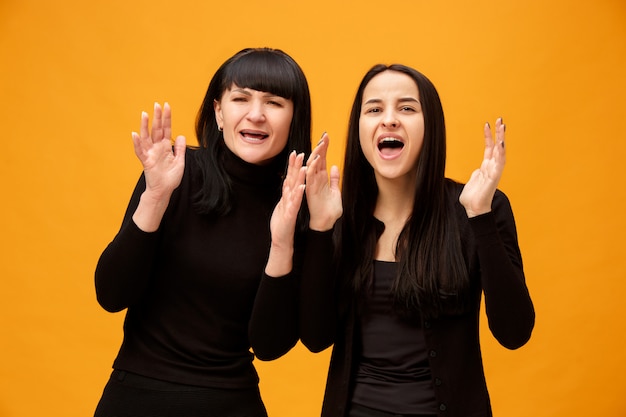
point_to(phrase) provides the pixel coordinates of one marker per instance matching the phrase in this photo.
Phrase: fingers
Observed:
(157, 123)
(143, 128)
(334, 177)
(180, 146)
(167, 121)
(161, 129)
(295, 171)
(490, 144)
(317, 159)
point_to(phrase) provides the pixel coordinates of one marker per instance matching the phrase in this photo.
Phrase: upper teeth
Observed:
(389, 140)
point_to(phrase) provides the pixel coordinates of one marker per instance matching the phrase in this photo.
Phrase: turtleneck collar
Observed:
(245, 172)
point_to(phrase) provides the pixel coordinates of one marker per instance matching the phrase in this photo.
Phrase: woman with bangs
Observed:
(205, 261)
(394, 280)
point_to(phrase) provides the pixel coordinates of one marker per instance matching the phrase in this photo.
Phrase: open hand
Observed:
(283, 221)
(163, 167)
(477, 195)
(322, 191)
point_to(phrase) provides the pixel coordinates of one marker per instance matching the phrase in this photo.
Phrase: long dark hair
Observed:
(432, 275)
(262, 69)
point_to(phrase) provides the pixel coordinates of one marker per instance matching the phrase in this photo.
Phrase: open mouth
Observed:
(253, 135)
(390, 146)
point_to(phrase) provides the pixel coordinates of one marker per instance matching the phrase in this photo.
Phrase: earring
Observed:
(219, 128)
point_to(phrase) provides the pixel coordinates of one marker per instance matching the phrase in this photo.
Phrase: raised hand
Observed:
(477, 195)
(284, 216)
(162, 166)
(322, 191)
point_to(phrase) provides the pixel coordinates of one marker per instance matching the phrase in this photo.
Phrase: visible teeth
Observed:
(390, 143)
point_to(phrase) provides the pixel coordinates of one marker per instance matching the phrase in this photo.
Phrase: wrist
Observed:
(280, 261)
(475, 213)
(321, 225)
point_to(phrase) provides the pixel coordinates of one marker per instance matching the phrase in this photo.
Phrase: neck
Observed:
(395, 200)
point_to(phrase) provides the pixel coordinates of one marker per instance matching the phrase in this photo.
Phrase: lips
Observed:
(253, 135)
(390, 145)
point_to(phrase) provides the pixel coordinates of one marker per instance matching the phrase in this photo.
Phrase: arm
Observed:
(318, 299)
(125, 265)
(509, 308)
(273, 328)
(510, 311)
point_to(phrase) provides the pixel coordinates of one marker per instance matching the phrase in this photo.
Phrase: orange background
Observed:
(75, 76)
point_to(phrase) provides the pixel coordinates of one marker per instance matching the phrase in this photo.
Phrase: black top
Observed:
(393, 373)
(190, 287)
(495, 269)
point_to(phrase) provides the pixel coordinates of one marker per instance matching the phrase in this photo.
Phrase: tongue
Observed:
(389, 151)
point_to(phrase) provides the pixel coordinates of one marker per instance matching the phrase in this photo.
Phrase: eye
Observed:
(239, 99)
(407, 109)
(275, 103)
(372, 110)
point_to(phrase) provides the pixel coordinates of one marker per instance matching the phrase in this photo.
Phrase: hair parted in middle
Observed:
(432, 274)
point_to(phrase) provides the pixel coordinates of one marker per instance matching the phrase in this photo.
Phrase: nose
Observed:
(390, 120)
(257, 112)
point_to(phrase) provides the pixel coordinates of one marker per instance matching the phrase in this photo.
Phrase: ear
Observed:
(219, 118)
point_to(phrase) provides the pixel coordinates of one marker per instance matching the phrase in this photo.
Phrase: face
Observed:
(391, 125)
(255, 123)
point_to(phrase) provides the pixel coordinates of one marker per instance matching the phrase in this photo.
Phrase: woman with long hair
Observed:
(395, 280)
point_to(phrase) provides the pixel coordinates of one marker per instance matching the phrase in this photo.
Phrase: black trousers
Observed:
(131, 395)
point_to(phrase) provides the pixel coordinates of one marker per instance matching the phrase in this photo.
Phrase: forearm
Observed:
(280, 260)
(318, 301)
(150, 211)
(124, 268)
(273, 328)
(508, 304)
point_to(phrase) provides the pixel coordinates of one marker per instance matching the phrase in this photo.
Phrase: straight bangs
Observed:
(264, 71)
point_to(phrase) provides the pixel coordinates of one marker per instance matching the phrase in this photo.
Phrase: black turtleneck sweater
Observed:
(191, 287)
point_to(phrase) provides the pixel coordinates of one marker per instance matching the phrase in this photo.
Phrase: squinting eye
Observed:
(407, 109)
(373, 110)
(275, 103)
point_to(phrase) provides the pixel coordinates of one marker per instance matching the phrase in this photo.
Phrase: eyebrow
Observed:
(246, 91)
(401, 100)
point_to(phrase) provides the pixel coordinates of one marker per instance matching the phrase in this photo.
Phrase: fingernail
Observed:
(488, 125)
(502, 143)
(321, 140)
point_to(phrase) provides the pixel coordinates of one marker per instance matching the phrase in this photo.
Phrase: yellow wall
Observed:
(75, 75)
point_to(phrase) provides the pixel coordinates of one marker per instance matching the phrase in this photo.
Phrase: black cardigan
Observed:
(495, 269)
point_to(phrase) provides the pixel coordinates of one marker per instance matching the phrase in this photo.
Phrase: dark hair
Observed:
(262, 69)
(432, 275)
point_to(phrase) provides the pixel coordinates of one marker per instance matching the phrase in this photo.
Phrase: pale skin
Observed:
(324, 207)
(163, 166)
